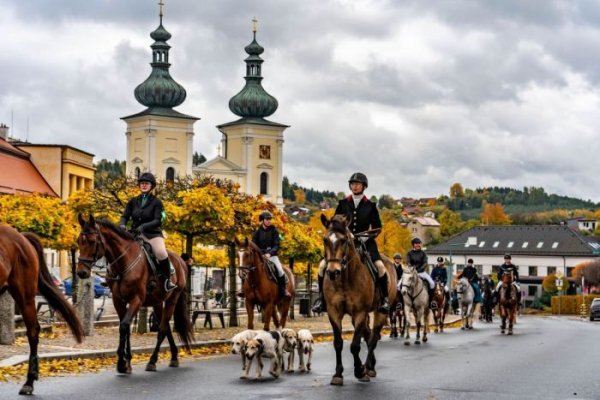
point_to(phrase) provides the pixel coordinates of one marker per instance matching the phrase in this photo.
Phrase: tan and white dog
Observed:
(264, 345)
(289, 346)
(305, 348)
(238, 346)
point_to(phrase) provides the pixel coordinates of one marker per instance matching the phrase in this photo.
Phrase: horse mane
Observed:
(338, 224)
(104, 222)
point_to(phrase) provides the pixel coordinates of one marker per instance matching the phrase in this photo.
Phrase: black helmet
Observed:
(398, 255)
(440, 259)
(507, 256)
(265, 215)
(147, 177)
(359, 177)
(470, 261)
(415, 241)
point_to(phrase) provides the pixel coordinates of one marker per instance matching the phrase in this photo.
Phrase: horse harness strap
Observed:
(117, 277)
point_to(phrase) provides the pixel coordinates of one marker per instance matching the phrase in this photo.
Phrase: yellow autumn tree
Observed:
(315, 220)
(394, 238)
(300, 196)
(493, 214)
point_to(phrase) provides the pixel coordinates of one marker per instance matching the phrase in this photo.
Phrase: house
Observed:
(425, 228)
(582, 224)
(538, 251)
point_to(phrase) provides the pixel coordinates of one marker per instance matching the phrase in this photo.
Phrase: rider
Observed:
(266, 237)
(418, 259)
(439, 273)
(146, 212)
(507, 268)
(470, 272)
(364, 217)
(398, 266)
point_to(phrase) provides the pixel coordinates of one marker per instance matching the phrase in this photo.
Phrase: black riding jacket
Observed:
(470, 272)
(148, 216)
(418, 259)
(440, 274)
(506, 268)
(363, 217)
(399, 271)
(267, 239)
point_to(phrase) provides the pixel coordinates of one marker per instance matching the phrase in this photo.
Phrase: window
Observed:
(533, 271)
(170, 176)
(264, 177)
(554, 245)
(264, 152)
(479, 269)
(551, 271)
(482, 243)
(496, 244)
(540, 244)
(532, 290)
(510, 244)
(525, 244)
(570, 272)
(137, 172)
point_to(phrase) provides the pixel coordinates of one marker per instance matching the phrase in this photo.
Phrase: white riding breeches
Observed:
(275, 260)
(514, 283)
(158, 247)
(322, 266)
(426, 276)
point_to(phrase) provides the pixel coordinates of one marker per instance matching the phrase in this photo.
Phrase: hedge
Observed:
(571, 304)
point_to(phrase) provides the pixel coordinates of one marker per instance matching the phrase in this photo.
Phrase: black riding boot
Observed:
(164, 268)
(382, 283)
(320, 305)
(283, 292)
(432, 304)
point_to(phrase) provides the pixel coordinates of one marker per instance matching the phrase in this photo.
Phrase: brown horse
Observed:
(397, 318)
(132, 285)
(508, 302)
(259, 289)
(348, 288)
(23, 271)
(439, 313)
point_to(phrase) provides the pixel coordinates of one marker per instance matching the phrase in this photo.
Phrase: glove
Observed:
(139, 230)
(123, 227)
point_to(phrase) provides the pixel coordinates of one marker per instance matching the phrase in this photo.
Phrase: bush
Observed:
(545, 298)
(570, 304)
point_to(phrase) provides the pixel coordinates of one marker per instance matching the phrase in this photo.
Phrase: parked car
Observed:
(99, 288)
(56, 280)
(595, 309)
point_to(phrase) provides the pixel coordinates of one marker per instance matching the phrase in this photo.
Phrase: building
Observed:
(538, 251)
(425, 228)
(582, 224)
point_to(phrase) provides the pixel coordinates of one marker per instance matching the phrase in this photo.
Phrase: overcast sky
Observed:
(415, 94)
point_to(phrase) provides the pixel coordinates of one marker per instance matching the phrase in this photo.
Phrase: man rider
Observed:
(398, 266)
(470, 272)
(418, 259)
(266, 237)
(507, 268)
(439, 273)
(364, 216)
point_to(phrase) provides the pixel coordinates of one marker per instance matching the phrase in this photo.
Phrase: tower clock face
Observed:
(264, 152)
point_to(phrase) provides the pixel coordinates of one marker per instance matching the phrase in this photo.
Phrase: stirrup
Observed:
(169, 285)
(319, 307)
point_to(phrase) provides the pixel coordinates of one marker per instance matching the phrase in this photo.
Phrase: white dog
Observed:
(305, 347)
(265, 345)
(238, 346)
(289, 346)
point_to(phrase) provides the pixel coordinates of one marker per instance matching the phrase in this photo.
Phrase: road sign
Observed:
(559, 284)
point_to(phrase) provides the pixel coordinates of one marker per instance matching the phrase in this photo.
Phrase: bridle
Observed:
(345, 260)
(246, 269)
(410, 288)
(88, 262)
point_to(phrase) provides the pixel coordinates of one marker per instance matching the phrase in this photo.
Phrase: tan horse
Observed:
(348, 288)
(23, 272)
(439, 314)
(259, 289)
(508, 303)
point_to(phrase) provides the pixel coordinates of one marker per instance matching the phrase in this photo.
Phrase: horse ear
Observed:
(325, 221)
(92, 220)
(81, 220)
(237, 242)
(348, 218)
(246, 242)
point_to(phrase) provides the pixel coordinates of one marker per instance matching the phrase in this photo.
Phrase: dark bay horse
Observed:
(487, 305)
(508, 302)
(23, 272)
(348, 288)
(439, 313)
(128, 275)
(397, 318)
(259, 289)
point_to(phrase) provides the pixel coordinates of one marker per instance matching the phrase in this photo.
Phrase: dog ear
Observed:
(260, 342)
(312, 341)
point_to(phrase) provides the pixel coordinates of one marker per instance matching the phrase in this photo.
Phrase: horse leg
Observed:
(418, 317)
(124, 350)
(359, 369)
(338, 344)
(277, 312)
(393, 326)
(425, 324)
(174, 363)
(168, 314)
(26, 302)
(379, 321)
(407, 312)
(269, 310)
(250, 313)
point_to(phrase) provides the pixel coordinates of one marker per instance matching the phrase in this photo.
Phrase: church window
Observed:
(137, 172)
(264, 152)
(264, 177)
(170, 174)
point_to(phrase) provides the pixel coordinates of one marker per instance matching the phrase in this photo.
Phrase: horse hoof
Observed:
(243, 377)
(510, 332)
(407, 343)
(122, 369)
(435, 331)
(425, 340)
(337, 381)
(470, 328)
(174, 364)
(365, 378)
(151, 367)
(360, 373)
(502, 331)
(26, 390)
(417, 342)
(274, 374)
(371, 373)
(462, 328)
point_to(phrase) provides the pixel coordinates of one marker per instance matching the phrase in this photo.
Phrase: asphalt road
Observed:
(547, 358)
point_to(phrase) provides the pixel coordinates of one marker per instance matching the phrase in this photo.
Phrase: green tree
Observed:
(386, 201)
(198, 158)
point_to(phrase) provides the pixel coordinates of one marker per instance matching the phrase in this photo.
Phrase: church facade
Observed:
(160, 139)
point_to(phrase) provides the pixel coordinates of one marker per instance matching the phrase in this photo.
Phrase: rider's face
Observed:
(357, 187)
(267, 221)
(417, 246)
(145, 187)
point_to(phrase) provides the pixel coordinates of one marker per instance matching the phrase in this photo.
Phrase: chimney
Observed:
(3, 131)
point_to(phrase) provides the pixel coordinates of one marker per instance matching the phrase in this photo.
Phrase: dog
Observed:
(238, 345)
(305, 347)
(265, 345)
(289, 346)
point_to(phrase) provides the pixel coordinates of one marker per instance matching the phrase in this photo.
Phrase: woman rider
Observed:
(145, 212)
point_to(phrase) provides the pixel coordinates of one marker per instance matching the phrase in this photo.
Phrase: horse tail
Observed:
(182, 323)
(53, 295)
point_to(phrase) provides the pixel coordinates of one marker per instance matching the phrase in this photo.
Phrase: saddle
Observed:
(272, 271)
(365, 257)
(152, 261)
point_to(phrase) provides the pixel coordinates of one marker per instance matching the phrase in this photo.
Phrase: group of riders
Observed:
(146, 213)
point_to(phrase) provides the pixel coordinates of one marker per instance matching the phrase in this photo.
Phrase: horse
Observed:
(349, 288)
(23, 271)
(466, 296)
(259, 289)
(132, 286)
(508, 302)
(487, 306)
(439, 313)
(397, 318)
(416, 300)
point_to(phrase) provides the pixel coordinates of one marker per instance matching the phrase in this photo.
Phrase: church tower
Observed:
(252, 147)
(160, 139)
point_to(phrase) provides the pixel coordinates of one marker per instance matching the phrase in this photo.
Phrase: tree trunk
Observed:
(233, 314)
(309, 288)
(142, 325)
(292, 314)
(7, 319)
(189, 248)
(85, 305)
(74, 278)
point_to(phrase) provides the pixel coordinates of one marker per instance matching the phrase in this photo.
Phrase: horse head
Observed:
(91, 246)
(337, 242)
(247, 256)
(409, 279)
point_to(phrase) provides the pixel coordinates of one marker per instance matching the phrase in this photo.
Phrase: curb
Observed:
(91, 354)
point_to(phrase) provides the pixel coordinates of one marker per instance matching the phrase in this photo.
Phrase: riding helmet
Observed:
(147, 177)
(470, 261)
(397, 256)
(359, 177)
(265, 215)
(507, 257)
(440, 259)
(415, 241)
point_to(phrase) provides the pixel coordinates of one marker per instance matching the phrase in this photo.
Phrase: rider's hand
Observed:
(139, 230)
(123, 227)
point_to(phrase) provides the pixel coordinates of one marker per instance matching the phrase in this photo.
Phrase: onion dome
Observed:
(159, 89)
(253, 101)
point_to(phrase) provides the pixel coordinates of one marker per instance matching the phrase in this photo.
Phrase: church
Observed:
(160, 139)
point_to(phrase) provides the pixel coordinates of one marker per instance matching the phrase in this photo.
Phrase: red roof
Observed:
(18, 174)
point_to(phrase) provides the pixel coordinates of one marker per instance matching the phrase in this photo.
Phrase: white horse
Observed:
(466, 295)
(416, 300)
